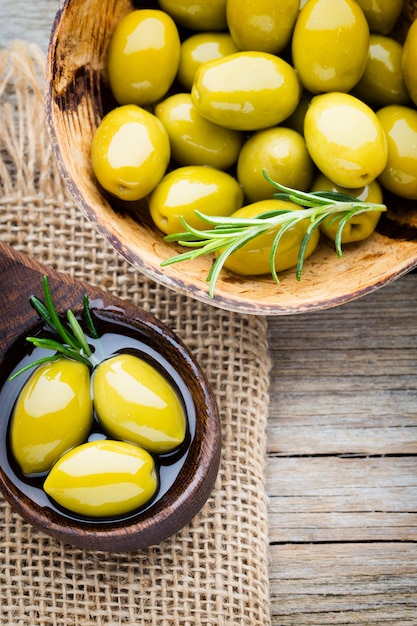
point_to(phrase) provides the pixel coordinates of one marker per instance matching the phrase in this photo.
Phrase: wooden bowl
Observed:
(77, 98)
(184, 492)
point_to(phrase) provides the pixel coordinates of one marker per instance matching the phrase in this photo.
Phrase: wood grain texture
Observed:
(350, 583)
(342, 444)
(342, 462)
(30, 21)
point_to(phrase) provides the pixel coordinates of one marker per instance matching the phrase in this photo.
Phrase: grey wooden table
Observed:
(342, 443)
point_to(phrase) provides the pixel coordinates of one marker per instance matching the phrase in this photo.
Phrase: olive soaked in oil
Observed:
(116, 335)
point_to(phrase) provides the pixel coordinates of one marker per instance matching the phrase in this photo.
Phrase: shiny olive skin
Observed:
(409, 61)
(263, 25)
(283, 154)
(194, 139)
(252, 259)
(400, 173)
(381, 15)
(143, 57)
(53, 413)
(197, 14)
(345, 139)
(360, 226)
(136, 403)
(382, 83)
(330, 45)
(198, 49)
(187, 189)
(246, 90)
(130, 152)
(103, 478)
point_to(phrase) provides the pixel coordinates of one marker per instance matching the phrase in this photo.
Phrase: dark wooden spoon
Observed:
(20, 277)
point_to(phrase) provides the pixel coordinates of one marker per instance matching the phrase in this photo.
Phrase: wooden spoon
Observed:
(20, 277)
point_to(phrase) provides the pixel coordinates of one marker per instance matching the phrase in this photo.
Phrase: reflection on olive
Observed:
(136, 403)
(246, 91)
(53, 413)
(345, 139)
(143, 57)
(330, 45)
(400, 172)
(130, 152)
(195, 140)
(103, 478)
(187, 189)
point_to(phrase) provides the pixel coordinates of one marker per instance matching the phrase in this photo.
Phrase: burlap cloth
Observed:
(215, 571)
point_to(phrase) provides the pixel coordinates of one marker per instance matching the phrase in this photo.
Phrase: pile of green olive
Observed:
(318, 94)
(95, 437)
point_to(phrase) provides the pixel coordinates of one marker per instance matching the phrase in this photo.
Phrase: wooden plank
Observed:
(320, 527)
(348, 583)
(344, 381)
(31, 21)
(351, 483)
(341, 438)
(342, 499)
(341, 471)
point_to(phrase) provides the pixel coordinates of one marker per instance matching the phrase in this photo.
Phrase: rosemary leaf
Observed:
(78, 333)
(274, 247)
(334, 196)
(41, 310)
(56, 346)
(56, 322)
(72, 345)
(46, 359)
(89, 318)
(224, 255)
(228, 234)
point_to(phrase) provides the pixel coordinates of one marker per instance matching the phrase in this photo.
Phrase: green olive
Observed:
(330, 45)
(143, 57)
(135, 402)
(198, 49)
(400, 173)
(263, 25)
(381, 15)
(345, 139)
(195, 140)
(409, 61)
(254, 257)
(197, 14)
(283, 154)
(382, 83)
(360, 226)
(53, 413)
(130, 152)
(103, 478)
(187, 189)
(246, 90)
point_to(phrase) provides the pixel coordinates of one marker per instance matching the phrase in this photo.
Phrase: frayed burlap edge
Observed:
(215, 571)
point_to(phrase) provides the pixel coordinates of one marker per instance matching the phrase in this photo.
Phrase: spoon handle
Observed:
(21, 277)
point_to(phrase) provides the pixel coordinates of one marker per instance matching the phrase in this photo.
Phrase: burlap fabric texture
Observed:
(215, 571)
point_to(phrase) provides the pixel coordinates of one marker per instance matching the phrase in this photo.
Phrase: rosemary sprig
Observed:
(72, 342)
(228, 234)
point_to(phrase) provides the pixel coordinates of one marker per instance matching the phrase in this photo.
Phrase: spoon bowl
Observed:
(184, 496)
